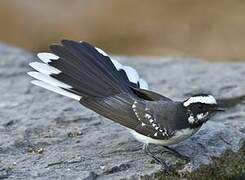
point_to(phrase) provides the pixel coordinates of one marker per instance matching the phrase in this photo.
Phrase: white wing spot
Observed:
(136, 113)
(148, 116)
(155, 125)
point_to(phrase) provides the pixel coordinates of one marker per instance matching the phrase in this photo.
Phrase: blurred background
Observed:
(208, 29)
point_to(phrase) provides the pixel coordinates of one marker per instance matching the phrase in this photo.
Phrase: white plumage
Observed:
(191, 119)
(132, 74)
(101, 51)
(178, 137)
(47, 57)
(56, 89)
(117, 65)
(44, 68)
(48, 79)
(143, 84)
(209, 99)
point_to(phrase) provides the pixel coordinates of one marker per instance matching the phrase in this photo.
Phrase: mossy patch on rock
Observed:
(230, 166)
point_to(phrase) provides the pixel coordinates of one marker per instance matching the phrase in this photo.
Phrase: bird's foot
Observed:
(165, 167)
(175, 153)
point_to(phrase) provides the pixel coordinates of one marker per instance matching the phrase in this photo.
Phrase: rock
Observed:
(44, 135)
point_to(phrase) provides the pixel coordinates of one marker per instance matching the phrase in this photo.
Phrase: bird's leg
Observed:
(158, 160)
(176, 153)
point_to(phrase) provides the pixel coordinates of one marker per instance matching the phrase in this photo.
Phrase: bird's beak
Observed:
(216, 108)
(219, 109)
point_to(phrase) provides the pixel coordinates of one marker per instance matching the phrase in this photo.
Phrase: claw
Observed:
(165, 167)
(176, 153)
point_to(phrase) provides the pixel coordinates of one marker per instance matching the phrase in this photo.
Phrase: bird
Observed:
(85, 73)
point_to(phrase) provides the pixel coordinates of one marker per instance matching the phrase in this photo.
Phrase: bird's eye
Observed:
(200, 106)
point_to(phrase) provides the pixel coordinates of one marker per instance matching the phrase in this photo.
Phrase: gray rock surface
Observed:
(47, 136)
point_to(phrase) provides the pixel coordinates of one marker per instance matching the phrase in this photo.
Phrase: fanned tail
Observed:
(78, 69)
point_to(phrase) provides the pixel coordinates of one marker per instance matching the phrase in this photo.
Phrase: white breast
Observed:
(178, 137)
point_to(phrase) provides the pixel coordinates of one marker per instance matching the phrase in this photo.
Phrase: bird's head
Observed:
(200, 107)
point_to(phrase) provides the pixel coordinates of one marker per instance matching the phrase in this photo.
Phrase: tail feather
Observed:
(48, 79)
(47, 57)
(96, 64)
(133, 76)
(143, 84)
(87, 70)
(56, 89)
(83, 86)
(77, 70)
(44, 68)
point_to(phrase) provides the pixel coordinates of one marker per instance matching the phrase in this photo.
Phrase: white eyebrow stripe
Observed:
(200, 99)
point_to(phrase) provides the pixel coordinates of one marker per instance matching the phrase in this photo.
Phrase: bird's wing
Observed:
(119, 109)
(149, 95)
(158, 117)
